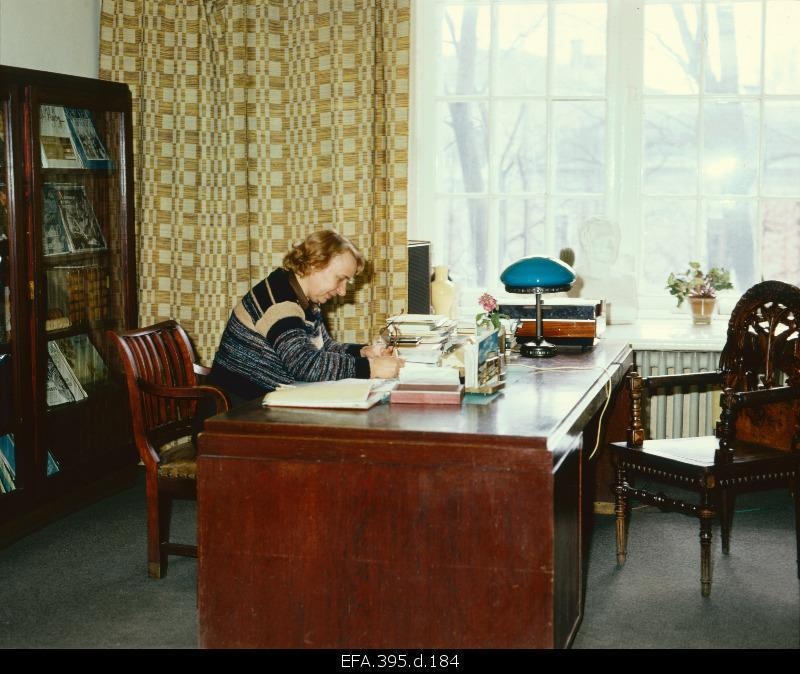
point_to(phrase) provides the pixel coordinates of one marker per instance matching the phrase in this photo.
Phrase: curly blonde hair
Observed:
(318, 250)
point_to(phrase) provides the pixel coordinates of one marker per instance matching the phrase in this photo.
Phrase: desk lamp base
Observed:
(543, 349)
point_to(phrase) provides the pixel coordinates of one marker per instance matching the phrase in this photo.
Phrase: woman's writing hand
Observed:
(385, 367)
(377, 350)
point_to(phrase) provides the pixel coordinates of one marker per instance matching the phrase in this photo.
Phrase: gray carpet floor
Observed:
(654, 600)
(81, 582)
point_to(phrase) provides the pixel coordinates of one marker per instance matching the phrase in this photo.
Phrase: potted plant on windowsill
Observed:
(700, 289)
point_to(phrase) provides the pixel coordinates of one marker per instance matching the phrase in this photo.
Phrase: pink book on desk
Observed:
(428, 394)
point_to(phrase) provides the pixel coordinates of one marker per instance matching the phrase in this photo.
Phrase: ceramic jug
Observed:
(443, 293)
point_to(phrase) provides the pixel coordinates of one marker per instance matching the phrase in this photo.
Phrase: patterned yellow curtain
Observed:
(255, 123)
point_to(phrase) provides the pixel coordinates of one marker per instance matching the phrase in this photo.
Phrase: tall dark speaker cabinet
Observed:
(419, 277)
(67, 274)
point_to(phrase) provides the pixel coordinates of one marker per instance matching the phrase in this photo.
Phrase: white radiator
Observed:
(683, 413)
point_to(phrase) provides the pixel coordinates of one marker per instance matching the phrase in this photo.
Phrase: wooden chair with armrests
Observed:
(756, 442)
(166, 401)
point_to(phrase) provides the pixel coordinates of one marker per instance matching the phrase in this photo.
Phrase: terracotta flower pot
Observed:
(702, 309)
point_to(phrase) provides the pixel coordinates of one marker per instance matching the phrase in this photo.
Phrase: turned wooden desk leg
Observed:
(620, 509)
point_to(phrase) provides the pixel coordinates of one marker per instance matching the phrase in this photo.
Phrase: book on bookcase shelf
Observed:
(5, 314)
(77, 292)
(56, 139)
(76, 286)
(8, 465)
(2, 147)
(62, 384)
(68, 139)
(57, 322)
(53, 466)
(96, 285)
(3, 211)
(84, 360)
(54, 234)
(6, 396)
(77, 215)
(59, 294)
(89, 146)
(7, 310)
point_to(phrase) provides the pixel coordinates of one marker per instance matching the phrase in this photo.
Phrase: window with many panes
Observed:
(678, 122)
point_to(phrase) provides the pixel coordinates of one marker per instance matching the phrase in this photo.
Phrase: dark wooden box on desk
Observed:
(405, 526)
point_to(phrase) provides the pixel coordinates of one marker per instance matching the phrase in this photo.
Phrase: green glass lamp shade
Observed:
(537, 274)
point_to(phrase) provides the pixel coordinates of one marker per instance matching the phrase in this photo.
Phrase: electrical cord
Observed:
(606, 387)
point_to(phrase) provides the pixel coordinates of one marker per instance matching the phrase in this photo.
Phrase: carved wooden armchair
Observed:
(166, 403)
(756, 443)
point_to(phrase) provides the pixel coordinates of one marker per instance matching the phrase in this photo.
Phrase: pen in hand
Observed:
(387, 340)
(379, 349)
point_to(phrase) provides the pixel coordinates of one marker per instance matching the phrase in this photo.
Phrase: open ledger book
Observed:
(349, 394)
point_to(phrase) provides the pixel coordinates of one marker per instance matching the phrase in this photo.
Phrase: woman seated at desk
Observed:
(276, 335)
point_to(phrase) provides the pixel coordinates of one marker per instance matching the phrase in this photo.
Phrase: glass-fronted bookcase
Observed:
(67, 270)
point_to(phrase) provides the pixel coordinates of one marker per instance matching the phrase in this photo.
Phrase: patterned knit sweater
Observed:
(275, 335)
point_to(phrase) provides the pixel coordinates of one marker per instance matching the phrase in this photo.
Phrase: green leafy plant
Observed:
(696, 283)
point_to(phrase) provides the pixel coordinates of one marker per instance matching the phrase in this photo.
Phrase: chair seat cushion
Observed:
(699, 451)
(179, 461)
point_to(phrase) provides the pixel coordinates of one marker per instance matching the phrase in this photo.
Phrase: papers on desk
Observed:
(431, 335)
(419, 373)
(352, 394)
(422, 353)
(430, 328)
(429, 321)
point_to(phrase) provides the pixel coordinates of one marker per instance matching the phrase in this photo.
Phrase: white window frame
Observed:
(624, 138)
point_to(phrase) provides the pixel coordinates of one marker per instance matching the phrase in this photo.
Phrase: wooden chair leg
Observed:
(797, 519)
(706, 520)
(164, 518)
(621, 512)
(726, 509)
(153, 530)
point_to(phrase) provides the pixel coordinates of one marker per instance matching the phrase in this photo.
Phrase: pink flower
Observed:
(488, 302)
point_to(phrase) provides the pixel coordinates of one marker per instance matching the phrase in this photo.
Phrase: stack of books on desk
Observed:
(422, 337)
(467, 327)
(428, 384)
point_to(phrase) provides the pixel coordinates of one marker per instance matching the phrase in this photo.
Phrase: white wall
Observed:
(57, 35)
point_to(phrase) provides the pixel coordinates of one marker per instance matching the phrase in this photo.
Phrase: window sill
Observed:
(670, 334)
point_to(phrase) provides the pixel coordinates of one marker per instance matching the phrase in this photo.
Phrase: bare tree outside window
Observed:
(705, 149)
(496, 176)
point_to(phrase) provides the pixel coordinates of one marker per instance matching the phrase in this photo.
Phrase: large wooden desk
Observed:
(406, 526)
